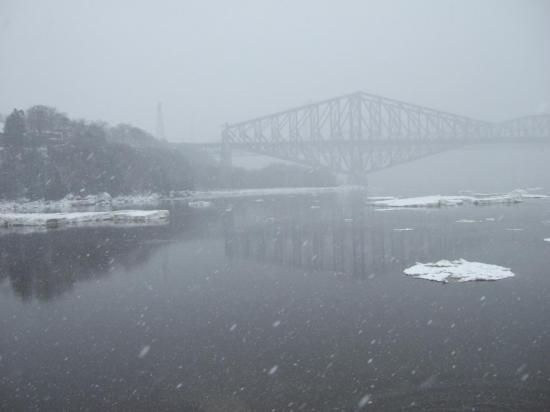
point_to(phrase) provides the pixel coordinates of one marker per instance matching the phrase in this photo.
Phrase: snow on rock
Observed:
(458, 271)
(59, 219)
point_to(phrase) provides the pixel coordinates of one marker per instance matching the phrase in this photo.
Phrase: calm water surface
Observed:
(278, 303)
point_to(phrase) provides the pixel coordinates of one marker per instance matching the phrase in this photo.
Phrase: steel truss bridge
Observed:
(360, 133)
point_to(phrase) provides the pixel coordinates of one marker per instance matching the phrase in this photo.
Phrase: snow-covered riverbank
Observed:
(71, 218)
(74, 203)
(104, 202)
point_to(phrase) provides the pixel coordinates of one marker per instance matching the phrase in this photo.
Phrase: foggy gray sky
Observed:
(212, 62)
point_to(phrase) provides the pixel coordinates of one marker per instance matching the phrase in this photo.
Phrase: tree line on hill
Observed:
(46, 155)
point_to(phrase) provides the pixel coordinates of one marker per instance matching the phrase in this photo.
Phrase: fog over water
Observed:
(212, 62)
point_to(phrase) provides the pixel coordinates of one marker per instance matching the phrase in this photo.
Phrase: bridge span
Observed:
(360, 133)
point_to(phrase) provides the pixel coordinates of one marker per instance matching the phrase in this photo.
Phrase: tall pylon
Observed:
(160, 123)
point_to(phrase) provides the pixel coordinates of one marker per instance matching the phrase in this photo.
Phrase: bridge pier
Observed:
(226, 165)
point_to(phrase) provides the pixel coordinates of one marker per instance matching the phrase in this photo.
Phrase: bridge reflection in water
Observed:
(344, 236)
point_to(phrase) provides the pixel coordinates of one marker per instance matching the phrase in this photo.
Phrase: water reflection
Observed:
(341, 235)
(46, 265)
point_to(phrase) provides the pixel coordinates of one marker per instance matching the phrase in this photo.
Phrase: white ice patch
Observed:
(199, 204)
(512, 197)
(547, 239)
(440, 201)
(423, 201)
(403, 229)
(535, 196)
(458, 271)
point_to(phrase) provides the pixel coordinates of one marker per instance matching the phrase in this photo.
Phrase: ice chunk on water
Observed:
(439, 200)
(200, 204)
(459, 270)
(423, 201)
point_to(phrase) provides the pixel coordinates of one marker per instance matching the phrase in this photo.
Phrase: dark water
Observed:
(289, 303)
(281, 303)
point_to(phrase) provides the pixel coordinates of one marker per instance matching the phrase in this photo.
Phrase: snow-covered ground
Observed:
(75, 203)
(69, 203)
(458, 271)
(71, 218)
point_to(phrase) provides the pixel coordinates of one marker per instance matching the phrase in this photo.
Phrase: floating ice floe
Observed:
(60, 219)
(403, 229)
(199, 204)
(469, 221)
(380, 198)
(458, 271)
(423, 201)
(440, 200)
(512, 197)
(547, 239)
(535, 196)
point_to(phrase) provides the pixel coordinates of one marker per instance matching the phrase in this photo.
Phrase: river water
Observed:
(280, 303)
